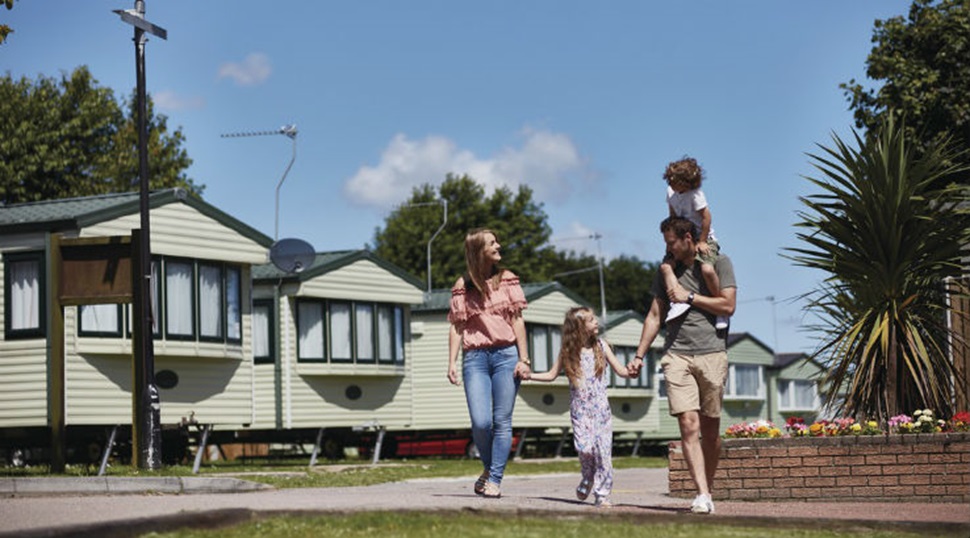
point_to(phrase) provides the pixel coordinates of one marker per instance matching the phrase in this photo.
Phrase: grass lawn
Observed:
(471, 525)
(296, 474)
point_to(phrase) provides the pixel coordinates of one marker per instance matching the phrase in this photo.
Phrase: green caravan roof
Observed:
(734, 338)
(616, 318)
(325, 262)
(71, 214)
(440, 299)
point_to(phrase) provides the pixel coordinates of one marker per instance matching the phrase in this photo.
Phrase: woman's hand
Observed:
(453, 374)
(522, 370)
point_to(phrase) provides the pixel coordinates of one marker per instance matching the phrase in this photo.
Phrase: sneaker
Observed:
(721, 323)
(676, 310)
(480, 483)
(582, 490)
(702, 505)
(491, 491)
(603, 502)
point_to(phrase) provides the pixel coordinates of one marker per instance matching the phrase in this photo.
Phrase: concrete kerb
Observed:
(115, 485)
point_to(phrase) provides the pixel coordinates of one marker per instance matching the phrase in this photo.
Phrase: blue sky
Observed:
(584, 101)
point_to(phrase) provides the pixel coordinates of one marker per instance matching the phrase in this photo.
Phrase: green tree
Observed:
(69, 137)
(887, 233)
(922, 63)
(4, 29)
(517, 220)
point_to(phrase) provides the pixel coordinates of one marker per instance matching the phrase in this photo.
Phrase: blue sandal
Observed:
(582, 491)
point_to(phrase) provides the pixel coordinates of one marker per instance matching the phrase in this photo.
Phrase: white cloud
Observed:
(168, 100)
(548, 162)
(253, 70)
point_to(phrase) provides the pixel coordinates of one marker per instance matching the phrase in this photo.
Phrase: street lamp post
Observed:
(146, 428)
(599, 258)
(599, 267)
(444, 220)
(290, 132)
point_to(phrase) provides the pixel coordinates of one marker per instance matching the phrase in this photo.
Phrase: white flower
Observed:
(917, 413)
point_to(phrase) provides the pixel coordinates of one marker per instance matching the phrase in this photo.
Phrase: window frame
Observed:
(40, 331)
(193, 333)
(329, 307)
(200, 267)
(791, 405)
(731, 391)
(552, 342)
(270, 357)
(117, 333)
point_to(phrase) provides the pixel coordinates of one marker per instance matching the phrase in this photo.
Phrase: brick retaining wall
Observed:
(914, 468)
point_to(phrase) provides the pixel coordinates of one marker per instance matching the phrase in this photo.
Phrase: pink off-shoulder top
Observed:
(486, 321)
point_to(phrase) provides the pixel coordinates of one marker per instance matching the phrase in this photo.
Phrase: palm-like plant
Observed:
(887, 232)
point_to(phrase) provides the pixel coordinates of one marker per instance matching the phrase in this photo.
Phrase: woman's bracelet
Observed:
(526, 361)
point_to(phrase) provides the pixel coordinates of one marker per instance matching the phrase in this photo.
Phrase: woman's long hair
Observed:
(575, 336)
(480, 267)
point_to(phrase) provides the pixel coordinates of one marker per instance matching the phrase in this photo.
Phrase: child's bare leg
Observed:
(711, 279)
(670, 279)
(714, 287)
(675, 309)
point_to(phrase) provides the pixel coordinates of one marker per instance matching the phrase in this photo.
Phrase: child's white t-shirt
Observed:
(688, 204)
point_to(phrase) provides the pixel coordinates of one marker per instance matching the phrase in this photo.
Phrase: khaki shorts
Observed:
(712, 251)
(695, 382)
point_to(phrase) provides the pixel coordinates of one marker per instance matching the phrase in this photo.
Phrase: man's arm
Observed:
(720, 305)
(651, 327)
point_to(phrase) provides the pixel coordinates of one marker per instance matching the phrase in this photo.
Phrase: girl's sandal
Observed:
(582, 491)
(480, 484)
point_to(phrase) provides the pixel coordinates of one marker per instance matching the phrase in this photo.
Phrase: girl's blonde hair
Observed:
(480, 268)
(575, 336)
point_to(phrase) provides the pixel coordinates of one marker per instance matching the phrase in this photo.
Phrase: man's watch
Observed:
(690, 298)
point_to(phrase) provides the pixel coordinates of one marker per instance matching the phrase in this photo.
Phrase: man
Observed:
(695, 353)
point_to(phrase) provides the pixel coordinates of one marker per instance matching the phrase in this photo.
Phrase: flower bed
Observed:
(921, 467)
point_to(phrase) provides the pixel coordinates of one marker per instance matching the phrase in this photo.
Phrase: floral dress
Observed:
(592, 420)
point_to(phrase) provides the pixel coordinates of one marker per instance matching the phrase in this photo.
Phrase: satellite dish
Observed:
(291, 255)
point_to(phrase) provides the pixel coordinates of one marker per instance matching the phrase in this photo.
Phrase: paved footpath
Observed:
(117, 507)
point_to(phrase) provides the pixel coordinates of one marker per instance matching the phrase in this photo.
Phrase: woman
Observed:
(486, 323)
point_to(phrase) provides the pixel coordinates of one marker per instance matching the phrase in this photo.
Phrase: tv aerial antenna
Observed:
(289, 255)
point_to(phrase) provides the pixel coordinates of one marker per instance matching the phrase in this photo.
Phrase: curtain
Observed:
(310, 316)
(399, 335)
(364, 314)
(385, 333)
(178, 298)
(540, 348)
(210, 301)
(99, 318)
(261, 315)
(24, 294)
(341, 343)
(747, 380)
(233, 308)
(804, 394)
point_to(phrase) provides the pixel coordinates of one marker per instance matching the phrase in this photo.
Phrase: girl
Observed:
(583, 357)
(486, 323)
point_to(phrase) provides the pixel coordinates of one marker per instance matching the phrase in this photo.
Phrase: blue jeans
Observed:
(490, 389)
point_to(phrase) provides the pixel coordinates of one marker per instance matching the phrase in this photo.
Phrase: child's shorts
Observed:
(712, 252)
